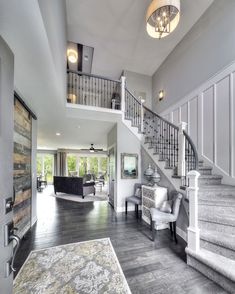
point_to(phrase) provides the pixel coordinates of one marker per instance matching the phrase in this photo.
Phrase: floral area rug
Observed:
(86, 267)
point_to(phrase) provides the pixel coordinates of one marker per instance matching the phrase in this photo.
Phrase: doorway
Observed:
(112, 175)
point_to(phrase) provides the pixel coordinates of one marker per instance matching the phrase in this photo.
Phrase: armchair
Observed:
(135, 198)
(158, 216)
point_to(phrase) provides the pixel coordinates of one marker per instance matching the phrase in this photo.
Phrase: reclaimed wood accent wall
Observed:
(22, 168)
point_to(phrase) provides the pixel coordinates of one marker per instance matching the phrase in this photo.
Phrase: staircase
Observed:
(216, 202)
(211, 250)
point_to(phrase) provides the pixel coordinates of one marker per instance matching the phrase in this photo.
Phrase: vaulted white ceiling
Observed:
(35, 30)
(116, 29)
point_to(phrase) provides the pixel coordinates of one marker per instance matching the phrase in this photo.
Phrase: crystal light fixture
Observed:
(162, 17)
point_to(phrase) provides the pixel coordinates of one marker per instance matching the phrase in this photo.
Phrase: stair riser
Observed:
(215, 210)
(205, 171)
(221, 280)
(206, 182)
(216, 195)
(226, 252)
(216, 203)
(205, 225)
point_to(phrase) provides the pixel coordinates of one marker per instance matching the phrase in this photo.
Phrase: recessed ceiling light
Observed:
(58, 134)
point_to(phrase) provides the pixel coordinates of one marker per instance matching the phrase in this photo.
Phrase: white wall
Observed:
(54, 17)
(210, 113)
(205, 50)
(126, 143)
(138, 83)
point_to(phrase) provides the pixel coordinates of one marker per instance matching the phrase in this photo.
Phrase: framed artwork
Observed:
(129, 166)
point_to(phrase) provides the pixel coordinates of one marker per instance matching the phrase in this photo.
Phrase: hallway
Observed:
(149, 268)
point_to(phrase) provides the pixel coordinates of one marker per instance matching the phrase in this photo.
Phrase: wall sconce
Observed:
(142, 99)
(71, 98)
(72, 55)
(161, 95)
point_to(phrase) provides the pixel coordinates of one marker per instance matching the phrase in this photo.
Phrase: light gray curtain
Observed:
(61, 163)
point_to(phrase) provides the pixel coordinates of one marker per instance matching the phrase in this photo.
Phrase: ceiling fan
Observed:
(92, 149)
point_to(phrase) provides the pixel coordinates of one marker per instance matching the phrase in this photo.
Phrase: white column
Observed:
(181, 140)
(123, 87)
(192, 194)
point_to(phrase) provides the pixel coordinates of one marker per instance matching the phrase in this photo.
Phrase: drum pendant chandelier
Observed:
(162, 17)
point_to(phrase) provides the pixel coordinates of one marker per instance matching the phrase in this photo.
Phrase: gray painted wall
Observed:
(112, 137)
(206, 49)
(137, 83)
(125, 142)
(182, 221)
(6, 155)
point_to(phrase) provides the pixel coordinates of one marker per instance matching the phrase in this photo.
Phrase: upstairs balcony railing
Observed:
(93, 90)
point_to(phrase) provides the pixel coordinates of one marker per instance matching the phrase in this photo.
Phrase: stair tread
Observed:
(222, 239)
(205, 167)
(219, 263)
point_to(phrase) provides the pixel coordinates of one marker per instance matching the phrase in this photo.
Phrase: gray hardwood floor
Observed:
(149, 267)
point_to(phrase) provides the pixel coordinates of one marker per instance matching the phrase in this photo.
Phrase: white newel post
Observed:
(192, 194)
(123, 87)
(181, 140)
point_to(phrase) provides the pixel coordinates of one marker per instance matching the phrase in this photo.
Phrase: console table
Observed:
(152, 197)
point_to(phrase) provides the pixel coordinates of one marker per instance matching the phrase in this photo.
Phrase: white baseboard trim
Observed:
(130, 208)
(181, 233)
(33, 221)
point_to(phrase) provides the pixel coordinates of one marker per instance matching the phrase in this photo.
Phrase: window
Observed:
(45, 166)
(82, 166)
(71, 163)
(93, 165)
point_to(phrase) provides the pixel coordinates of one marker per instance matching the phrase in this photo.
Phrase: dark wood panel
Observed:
(22, 168)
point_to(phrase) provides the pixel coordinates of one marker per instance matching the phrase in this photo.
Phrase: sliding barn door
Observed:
(22, 168)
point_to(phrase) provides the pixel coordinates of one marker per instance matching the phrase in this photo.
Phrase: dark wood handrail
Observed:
(163, 119)
(133, 96)
(193, 147)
